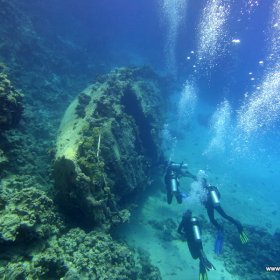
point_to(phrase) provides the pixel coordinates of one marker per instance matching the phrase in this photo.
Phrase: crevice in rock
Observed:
(132, 108)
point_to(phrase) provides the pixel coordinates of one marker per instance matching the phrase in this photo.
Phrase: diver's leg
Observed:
(210, 212)
(221, 211)
(179, 197)
(169, 196)
(242, 235)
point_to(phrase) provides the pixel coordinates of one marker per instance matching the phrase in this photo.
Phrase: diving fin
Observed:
(203, 276)
(202, 272)
(219, 242)
(242, 235)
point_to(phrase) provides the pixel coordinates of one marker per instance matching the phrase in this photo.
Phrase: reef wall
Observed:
(11, 108)
(36, 243)
(10, 103)
(107, 144)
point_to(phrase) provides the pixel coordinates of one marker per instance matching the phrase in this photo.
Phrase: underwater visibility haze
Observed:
(140, 139)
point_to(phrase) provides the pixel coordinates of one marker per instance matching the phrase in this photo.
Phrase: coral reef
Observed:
(80, 255)
(11, 106)
(249, 261)
(34, 245)
(3, 158)
(107, 143)
(27, 215)
(165, 229)
(84, 100)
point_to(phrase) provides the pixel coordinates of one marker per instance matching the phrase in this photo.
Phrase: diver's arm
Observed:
(188, 174)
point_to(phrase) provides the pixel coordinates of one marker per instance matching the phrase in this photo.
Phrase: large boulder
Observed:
(108, 140)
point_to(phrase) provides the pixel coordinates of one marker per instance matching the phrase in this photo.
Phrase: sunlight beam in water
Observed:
(219, 127)
(273, 39)
(173, 14)
(212, 33)
(250, 7)
(261, 111)
(187, 104)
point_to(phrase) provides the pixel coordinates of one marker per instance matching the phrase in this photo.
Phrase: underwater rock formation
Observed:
(11, 106)
(34, 243)
(27, 215)
(107, 143)
(249, 261)
(80, 255)
(3, 158)
(164, 229)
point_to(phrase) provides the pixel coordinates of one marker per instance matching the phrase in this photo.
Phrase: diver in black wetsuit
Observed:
(173, 172)
(211, 201)
(189, 228)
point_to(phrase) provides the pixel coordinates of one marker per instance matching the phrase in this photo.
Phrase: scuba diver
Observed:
(211, 201)
(190, 229)
(173, 172)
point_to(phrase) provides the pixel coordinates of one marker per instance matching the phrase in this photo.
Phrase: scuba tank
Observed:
(174, 183)
(195, 229)
(214, 197)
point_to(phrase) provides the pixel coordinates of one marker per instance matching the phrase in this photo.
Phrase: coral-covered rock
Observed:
(27, 215)
(250, 260)
(3, 158)
(11, 106)
(108, 141)
(80, 255)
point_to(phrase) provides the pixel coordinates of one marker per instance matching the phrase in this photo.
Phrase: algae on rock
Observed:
(10, 103)
(27, 215)
(107, 143)
(79, 255)
(11, 108)
(3, 158)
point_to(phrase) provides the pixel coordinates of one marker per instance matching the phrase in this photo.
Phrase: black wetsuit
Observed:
(173, 173)
(210, 210)
(169, 176)
(185, 229)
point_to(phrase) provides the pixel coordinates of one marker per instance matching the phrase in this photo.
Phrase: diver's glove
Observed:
(242, 235)
(219, 242)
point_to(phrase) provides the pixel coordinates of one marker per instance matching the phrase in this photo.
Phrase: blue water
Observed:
(234, 64)
(222, 58)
